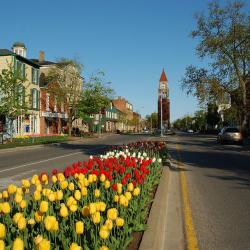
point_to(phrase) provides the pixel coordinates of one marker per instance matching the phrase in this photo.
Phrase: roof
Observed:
(18, 44)
(6, 52)
(163, 77)
(42, 63)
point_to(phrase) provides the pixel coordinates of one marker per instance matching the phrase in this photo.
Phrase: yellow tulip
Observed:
(77, 195)
(76, 175)
(136, 191)
(64, 211)
(63, 184)
(19, 191)
(85, 211)
(51, 224)
(71, 201)
(44, 245)
(79, 227)
(73, 208)
(18, 244)
(84, 191)
(119, 188)
(102, 178)
(101, 206)
(130, 187)
(103, 248)
(86, 182)
(74, 246)
(5, 207)
(119, 222)
(5, 194)
(37, 195)
(92, 208)
(38, 239)
(112, 213)
(104, 232)
(54, 179)
(31, 221)
(128, 195)
(12, 189)
(38, 216)
(116, 198)
(97, 193)
(34, 179)
(107, 184)
(2, 231)
(18, 198)
(21, 224)
(26, 183)
(71, 186)
(60, 177)
(59, 195)
(39, 187)
(52, 197)
(44, 178)
(96, 217)
(94, 178)
(23, 204)
(81, 176)
(90, 178)
(44, 205)
(1, 196)
(122, 200)
(109, 224)
(2, 245)
(17, 216)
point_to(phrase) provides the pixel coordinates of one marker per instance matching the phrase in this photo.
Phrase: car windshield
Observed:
(232, 130)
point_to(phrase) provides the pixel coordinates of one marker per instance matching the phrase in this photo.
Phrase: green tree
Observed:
(212, 116)
(224, 40)
(152, 120)
(96, 96)
(67, 74)
(12, 94)
(200, 118)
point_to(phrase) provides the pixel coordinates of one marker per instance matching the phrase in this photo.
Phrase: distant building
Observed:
(28, 122)
(53, 115)
(163, 102)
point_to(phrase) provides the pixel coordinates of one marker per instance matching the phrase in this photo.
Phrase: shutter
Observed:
(37, 76)
(23, 70)
(37, 99)
(31, 98)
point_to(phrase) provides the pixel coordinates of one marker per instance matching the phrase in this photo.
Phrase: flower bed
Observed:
(95, 204)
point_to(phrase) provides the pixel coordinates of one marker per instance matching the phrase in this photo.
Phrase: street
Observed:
(16, 164)
(218, 180)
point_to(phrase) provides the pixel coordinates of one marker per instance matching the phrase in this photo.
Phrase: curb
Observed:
(153, 237)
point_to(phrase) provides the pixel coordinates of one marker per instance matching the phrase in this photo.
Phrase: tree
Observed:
(12, 94)
(152, 120)
(224, 35)
(67, 74)
(212, 116)
(96, 96)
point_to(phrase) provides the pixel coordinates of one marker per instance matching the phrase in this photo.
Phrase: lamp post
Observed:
(162, 95)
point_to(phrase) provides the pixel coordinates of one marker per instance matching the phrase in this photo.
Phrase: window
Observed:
(34, 75)
(47, 101)
(55, 104)
(35, 98)
(20, 68)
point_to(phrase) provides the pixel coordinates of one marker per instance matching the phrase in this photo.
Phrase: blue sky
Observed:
(130, 40)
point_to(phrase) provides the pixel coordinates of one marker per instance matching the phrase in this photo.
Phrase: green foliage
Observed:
(96, 96)
(212, 116)
(224, 41)
(12, 93)
(152, 120)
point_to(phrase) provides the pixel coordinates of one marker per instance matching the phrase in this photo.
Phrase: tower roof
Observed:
(163, 77)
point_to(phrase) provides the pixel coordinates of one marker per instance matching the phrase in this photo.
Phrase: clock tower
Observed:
(163, 102)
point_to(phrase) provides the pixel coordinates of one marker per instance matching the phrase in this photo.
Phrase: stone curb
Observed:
(154, 236)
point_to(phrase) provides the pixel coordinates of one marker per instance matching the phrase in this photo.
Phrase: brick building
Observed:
(53, 108)
(163, 102)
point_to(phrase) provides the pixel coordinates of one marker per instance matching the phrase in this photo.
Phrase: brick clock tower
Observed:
(163, 102)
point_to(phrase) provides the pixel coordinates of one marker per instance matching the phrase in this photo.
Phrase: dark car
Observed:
(230, 134)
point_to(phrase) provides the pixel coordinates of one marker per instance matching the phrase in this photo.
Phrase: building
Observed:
(28, 122)
(248, 102)
(53, 106)
(127, 109)
(111, 116)
(163, 103)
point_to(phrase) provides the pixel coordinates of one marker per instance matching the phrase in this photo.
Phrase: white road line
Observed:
(36, 162)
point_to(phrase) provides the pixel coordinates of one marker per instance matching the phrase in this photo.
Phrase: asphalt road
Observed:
(218, 178)
(19, 163)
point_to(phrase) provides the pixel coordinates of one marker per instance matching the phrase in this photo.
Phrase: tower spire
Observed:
(163, 76)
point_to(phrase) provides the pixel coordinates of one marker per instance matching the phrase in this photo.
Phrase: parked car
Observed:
(190, 131)
(230, 134)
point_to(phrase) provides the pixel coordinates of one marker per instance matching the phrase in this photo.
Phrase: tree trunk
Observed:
(99, 124)
(70, 125)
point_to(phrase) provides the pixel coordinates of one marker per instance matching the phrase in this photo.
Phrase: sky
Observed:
(130, 40)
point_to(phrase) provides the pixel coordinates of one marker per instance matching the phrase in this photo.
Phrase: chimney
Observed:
(41, 56)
